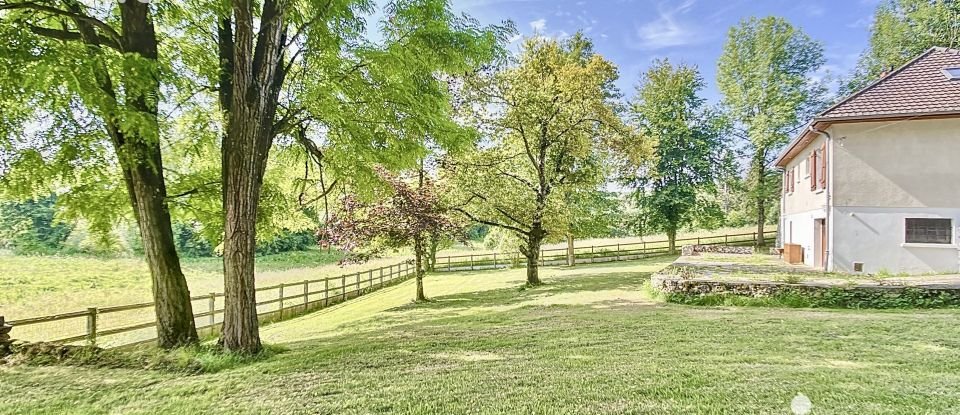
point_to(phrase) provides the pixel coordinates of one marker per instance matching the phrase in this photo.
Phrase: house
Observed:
(873, 183)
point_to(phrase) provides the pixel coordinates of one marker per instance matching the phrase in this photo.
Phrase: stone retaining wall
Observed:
(691, 250)
(820, 293)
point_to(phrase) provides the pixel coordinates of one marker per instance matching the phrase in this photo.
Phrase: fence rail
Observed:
(289, 299)
(588, 254)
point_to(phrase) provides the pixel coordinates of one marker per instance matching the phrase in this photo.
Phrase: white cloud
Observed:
(538, 25)
(667, 30)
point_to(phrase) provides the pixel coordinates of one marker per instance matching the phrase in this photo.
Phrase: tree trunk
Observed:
(532, 253)
(571, 253)
(431, 257)
(672, 241)
(761, 218)
(418, 260)
(761, 198)
(174, 311)
(256, 60)
(140, 158)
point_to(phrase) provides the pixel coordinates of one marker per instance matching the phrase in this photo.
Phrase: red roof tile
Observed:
(919, 87)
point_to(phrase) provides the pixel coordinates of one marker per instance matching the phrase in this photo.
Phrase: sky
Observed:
(632, 33)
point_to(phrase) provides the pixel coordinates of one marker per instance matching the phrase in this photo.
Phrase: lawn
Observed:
(589, 341)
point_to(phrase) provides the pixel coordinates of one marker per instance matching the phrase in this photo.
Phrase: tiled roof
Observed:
(919, 87)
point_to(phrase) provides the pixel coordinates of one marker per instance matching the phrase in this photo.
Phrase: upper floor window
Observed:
(929, 231)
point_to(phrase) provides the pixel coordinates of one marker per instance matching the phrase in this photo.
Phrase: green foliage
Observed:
(901, 31)
(671, 189)
(595, 214)
(837, 297)
(764, 75)
(31, 226)
(547, 121)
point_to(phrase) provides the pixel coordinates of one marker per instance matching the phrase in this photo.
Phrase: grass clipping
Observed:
(188, 360)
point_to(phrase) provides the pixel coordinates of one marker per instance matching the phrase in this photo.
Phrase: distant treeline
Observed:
(32, 227)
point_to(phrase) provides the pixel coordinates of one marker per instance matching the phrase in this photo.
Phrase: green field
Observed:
(590, 341)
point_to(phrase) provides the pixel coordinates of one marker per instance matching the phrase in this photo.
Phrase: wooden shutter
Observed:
(823, 166)
(813, 170)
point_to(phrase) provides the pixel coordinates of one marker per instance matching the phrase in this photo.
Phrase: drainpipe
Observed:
(828, 261)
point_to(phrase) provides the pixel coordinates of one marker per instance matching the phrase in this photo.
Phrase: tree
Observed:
(89, 77)
(402, 215)
(31, 227)
(902, 30)
(764, 75)
(546, 120)
(287, 64)
(669, 111)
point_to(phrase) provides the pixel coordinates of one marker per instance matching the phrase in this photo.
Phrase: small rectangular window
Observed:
(952, 73)
(929, 231)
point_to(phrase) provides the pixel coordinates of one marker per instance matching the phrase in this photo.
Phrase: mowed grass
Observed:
(590, 341)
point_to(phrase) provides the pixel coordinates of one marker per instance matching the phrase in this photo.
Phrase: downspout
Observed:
(828, 260)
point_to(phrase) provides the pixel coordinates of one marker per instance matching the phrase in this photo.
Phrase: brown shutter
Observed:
(823, 166)
(813, 170)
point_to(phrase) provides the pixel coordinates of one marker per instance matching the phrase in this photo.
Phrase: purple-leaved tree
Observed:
(402, 214)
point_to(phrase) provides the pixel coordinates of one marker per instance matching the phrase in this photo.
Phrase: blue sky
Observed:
(632, 33)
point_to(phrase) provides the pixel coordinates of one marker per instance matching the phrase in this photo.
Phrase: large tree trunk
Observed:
(532, 253)
(251, 106)
(143, 173)
(418, 252)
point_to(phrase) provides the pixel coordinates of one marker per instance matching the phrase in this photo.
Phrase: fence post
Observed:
(494, 260)
(381, 277)
(358, 283)
(755, 241)
(591, 254)
(326, 292)
(543, 260)
(725, 243)
(618, 251)
(471, 262)
(370, 279)
(306, 294)
(280, 292)
(343, 286)
(448, 263)
(213, 308)
(92, 326)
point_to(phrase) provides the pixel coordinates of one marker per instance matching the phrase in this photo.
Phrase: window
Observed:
(929, 231)
(953, 74)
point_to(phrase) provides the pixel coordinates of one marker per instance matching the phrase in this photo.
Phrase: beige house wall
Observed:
(803, 199)
(913, 163)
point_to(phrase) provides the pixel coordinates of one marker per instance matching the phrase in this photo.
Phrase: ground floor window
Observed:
(929, 231)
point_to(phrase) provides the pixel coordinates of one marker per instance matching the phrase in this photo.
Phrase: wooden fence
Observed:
(275, 302)
(589, 254)
(285, 300)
